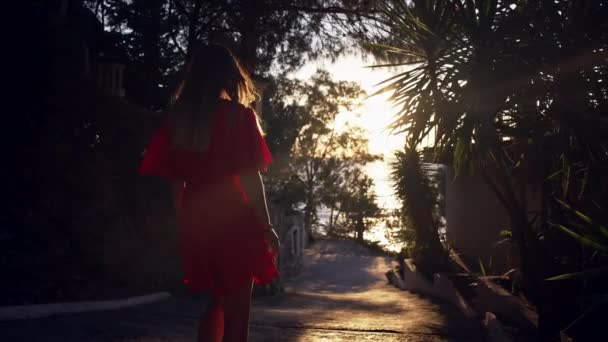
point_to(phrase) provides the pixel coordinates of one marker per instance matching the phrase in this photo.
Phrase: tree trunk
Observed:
(253, 11)
(360, 228)
(151, 59)
(526, 243)
(330, 226)
(193, 20)
(420, 206)
(309, 210)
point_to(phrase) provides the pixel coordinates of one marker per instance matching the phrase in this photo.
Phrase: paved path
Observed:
(341, 295)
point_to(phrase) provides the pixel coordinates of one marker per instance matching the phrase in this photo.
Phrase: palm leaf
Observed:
(587, 241)
(600, 271)
(406, 52)
(582, 316)
(585, 218)
(483, 269)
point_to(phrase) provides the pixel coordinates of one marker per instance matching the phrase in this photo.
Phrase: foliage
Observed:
(79, 212)
(81, 223)
(315, 157)
(269, 36)
(397, 231)
(282, 123)
(419, 211)
(516, 92)
(593, 269)
(357, 201)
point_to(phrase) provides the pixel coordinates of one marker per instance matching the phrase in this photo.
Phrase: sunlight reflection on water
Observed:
(375, 234)
(387, 201)
(375, 115)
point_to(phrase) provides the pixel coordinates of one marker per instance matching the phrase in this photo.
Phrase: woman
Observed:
(211, 147)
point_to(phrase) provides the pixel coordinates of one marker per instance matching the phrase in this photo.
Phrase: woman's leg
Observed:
(236, 314)
(211, 324)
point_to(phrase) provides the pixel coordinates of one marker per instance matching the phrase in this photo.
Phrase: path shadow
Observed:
(343, 267)
(302, 311)
(322, 303)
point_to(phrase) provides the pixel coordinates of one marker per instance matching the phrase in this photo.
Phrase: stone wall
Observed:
(290, 228)
(293, 240)
(475, 218)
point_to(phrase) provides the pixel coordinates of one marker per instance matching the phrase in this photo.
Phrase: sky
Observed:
(375, 115)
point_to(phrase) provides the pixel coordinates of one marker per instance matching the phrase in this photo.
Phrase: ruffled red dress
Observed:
(222, 241)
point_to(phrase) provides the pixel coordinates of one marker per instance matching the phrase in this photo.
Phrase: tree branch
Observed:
(329, 143)
(181, 8)
(179, 47)
(172, 34)
(326, 10)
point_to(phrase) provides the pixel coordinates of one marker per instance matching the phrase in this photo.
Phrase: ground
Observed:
(341, 295)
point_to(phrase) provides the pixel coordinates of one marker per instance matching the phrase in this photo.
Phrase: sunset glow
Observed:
(375, 115)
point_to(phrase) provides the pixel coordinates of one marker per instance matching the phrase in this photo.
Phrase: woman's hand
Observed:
(272, 239)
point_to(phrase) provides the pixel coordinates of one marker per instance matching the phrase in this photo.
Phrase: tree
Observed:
(319, 139)
(516, 92)
(314, 151)
(141, 30)
(419, 211)
(267, 35)
(358, 203)
(282, 123)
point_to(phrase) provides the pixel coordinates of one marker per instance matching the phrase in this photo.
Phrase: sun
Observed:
(374, 115)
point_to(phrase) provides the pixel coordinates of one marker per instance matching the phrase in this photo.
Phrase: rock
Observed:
(444, 288)
(399, 281)
(415, 281)
(515, 277)
(493, 329)
(395, 280)
(389, 276)
(511, 309)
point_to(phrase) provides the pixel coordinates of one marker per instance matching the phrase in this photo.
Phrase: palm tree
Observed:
(419, 201)
(513, 90)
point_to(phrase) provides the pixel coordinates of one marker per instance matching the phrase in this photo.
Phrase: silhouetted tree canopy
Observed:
(310, 151)
(269, 36)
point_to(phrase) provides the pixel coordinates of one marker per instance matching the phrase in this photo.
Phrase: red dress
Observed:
(222, 241)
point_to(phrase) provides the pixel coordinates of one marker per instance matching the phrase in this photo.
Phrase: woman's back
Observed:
(212, 149)
(236, 145)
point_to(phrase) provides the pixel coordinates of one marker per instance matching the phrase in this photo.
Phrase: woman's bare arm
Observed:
(254, 188)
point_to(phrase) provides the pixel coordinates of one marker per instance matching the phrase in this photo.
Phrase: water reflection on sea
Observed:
(380, 233)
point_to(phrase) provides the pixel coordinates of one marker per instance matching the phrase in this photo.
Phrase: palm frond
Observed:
(584, 240)
(600, 271)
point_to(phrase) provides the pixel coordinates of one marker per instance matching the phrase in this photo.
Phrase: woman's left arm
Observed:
(254, 189)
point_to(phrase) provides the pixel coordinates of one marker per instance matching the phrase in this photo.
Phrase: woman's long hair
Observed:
(212, 69)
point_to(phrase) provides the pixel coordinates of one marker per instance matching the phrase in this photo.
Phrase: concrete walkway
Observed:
(341, 295)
